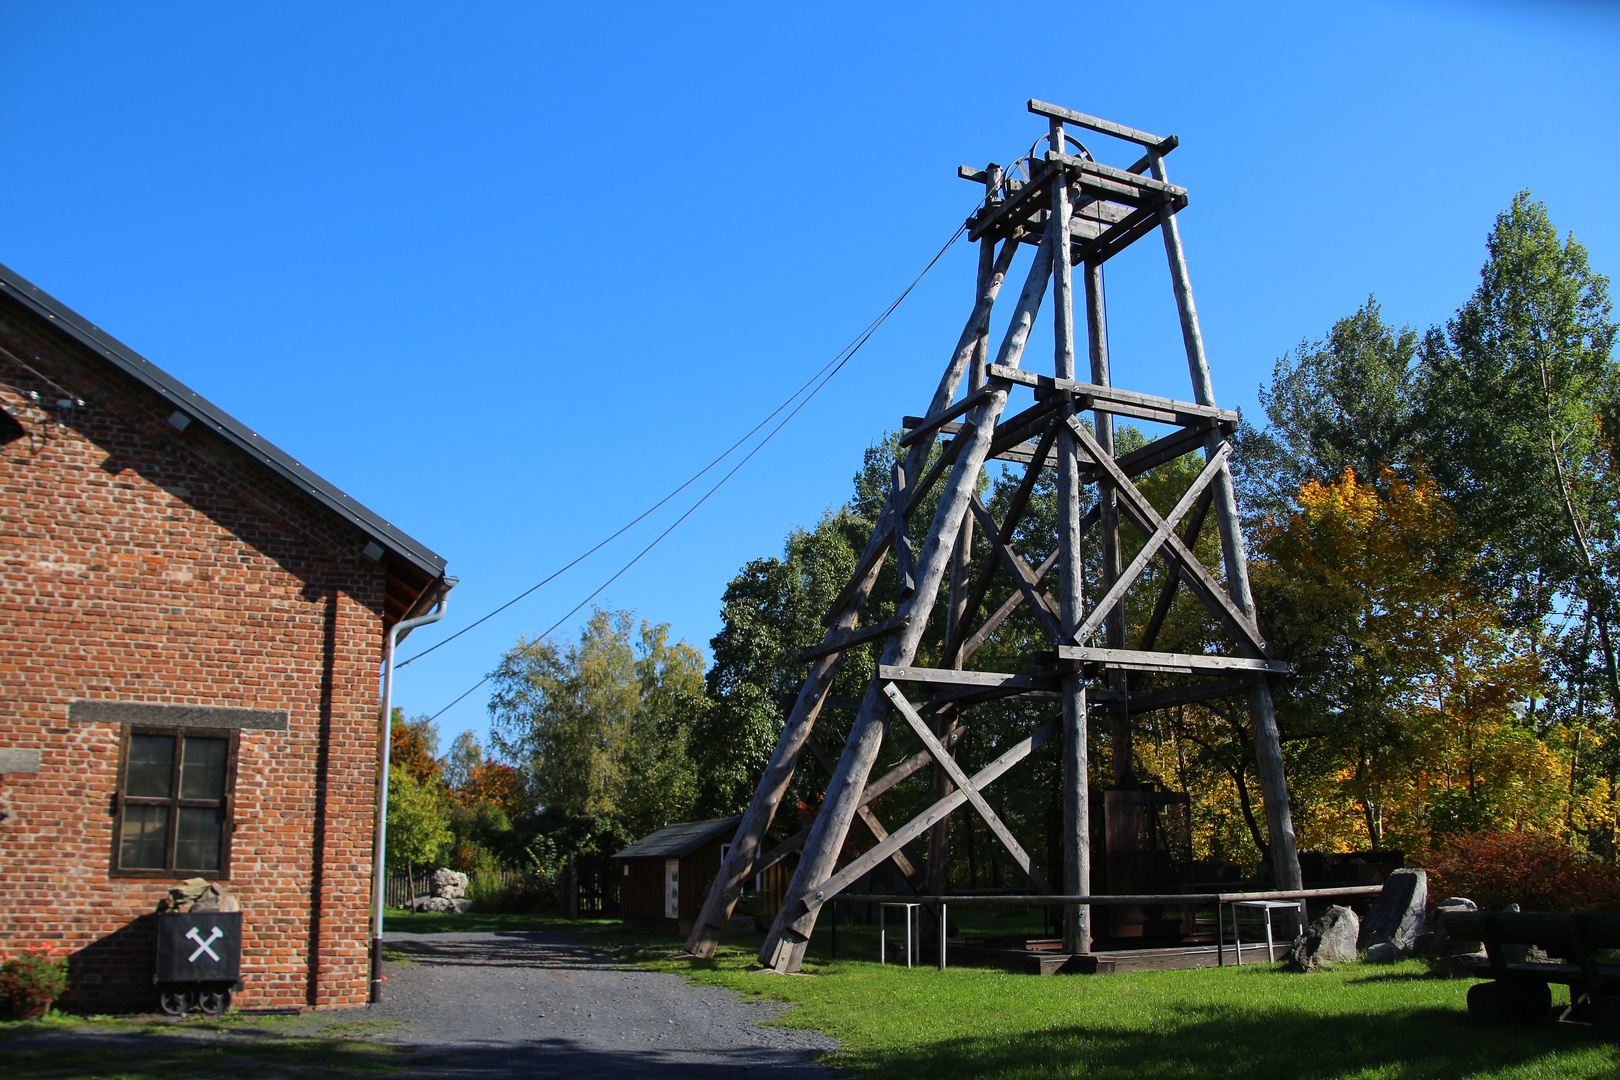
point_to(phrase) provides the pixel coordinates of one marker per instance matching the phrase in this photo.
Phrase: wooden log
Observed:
(1132, 181)
(991, 819)
(1043, 606)
(1092, 123)
(841, 640)
(784, 945)
(1111, 600)
(1267, 741)
(834, 884)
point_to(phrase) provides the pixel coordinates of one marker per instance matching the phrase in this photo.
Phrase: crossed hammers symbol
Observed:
(202, 946)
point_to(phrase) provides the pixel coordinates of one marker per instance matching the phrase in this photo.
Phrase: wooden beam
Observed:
(840, 640)
(932, 423)
(1093, 123)
(1170, 663)
(992, 820)
(984, 680)
(1119, 176)
(843, 879)
(1104, 396)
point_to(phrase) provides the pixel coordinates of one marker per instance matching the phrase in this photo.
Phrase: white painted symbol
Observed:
(202, 946)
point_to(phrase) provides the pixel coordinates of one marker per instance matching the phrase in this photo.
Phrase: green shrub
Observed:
(1535, 871)
(37, 977)
(510, 890)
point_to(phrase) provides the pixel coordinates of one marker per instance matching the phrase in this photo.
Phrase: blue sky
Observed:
(508, 273)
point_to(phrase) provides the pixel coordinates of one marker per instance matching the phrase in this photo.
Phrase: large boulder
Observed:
(1330, 940)
(1399, 914)
(449, 884)
(1449, 956)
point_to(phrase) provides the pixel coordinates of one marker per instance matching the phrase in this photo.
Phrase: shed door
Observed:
(672, 888)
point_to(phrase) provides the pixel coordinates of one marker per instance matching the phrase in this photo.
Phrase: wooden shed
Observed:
(667, 874)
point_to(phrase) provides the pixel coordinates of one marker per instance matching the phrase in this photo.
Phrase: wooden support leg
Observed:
(1071, 599)
(1120, 741)
(1267, 742)
(785, 944)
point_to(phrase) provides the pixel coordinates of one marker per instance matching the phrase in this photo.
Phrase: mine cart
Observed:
(199, 960)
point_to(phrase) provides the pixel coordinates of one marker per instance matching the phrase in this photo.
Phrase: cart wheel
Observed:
(214, 1000)
(175, 1002)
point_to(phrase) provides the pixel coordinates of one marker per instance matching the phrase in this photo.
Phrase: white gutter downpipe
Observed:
(379, 877)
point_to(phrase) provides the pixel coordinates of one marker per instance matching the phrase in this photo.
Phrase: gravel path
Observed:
(528, 1004)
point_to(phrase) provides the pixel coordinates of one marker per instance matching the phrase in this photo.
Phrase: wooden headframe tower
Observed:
(1077, 213)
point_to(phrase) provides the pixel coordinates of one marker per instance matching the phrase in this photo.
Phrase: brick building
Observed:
(190, 630)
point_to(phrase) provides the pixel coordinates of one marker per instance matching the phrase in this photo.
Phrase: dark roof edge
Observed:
(232, 430)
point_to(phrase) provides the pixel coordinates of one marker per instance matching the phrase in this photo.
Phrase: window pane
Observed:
(151, 766)
(197, 845)
(202, 769)
(145, 837)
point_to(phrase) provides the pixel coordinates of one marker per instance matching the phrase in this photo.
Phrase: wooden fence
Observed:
(402, 886)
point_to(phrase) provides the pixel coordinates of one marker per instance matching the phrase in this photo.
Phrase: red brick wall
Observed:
(138, 564)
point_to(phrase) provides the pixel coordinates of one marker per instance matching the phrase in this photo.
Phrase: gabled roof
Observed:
(416, 555)
(675, 841)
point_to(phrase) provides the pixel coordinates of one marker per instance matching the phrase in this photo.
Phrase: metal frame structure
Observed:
(1077, 214)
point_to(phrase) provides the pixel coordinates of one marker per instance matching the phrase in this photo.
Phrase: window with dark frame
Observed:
(174, 803)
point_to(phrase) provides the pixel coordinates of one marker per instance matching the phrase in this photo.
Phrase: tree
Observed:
(418, 826)
(415, 747)
(601, 726)
(1347, 401)
(1407, 673)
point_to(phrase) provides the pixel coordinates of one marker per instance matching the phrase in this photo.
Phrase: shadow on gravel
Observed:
(543, 1058)
(503, 949)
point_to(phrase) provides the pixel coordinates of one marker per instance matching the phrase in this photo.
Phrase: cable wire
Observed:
(820, 379)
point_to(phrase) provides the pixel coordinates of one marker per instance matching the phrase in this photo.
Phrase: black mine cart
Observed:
(199, 960)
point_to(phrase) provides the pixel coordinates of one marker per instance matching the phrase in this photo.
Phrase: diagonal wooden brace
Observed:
(1146, 519)
(969, 791)
(918, 825)
(1161, 533)
(1020, 572)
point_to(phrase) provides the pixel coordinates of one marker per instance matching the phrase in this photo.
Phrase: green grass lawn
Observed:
(1255, 1022)
(398, 921)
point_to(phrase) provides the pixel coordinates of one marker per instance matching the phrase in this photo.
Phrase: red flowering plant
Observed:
(31, 981)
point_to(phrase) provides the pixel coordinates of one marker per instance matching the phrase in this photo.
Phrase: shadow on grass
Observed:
(396, 921)
(1256, 1044)
(67, 1049)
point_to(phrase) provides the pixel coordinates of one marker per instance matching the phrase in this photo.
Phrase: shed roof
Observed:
(416, 555)
(675, 841)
